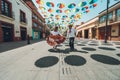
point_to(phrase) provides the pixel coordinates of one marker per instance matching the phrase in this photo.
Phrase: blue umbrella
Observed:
(92, 1)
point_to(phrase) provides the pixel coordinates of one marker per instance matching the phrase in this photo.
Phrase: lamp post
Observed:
(106, 22)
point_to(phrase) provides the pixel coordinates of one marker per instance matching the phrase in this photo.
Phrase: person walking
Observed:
(71, 33)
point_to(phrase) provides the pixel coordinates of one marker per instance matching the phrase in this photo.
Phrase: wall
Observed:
(16, 7)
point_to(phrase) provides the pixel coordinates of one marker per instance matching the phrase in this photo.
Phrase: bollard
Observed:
(28, 39)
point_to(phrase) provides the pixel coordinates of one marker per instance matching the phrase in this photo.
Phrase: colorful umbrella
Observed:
(44, 13)
(72, 5)
(59, 11)
(57, 17)
(67, 11)
(42, 8)
(94, 5)
(72, 16)
(83, 9)
(39, 2)
(64, 16)
(76, 10)
(78, 16)
(87, 11)
(86, 7)
(61, 5)
(83, 3)
(51, 15)
(50, 4)
(92, 1)
(50, 10)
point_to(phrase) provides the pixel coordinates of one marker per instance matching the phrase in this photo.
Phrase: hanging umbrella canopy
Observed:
(57, 16)
(67, 11)
(50, 4)
(94, 5)
(61, 5)
(50, 10)
(42, 8)
(72, 5)
(78, 16)
(44, 13)
(86, 7)
(39, 2)
(72, 16)
(59, 11)
(76, 10)
(65, 16)
(87, 10)
(83, 3)
(92, 1)
(83, 9)
(51, 15)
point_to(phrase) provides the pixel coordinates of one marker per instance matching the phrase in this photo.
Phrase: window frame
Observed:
(9, 6)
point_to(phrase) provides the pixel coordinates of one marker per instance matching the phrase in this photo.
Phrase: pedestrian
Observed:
(71, 33)
(55, 33)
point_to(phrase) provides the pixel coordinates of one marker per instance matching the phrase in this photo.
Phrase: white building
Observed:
(15, 20)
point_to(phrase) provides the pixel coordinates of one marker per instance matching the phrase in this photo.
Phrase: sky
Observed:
(93, 12)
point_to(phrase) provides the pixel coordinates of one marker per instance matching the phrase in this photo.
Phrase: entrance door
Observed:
(7, 34)
(86, 34)
(23, 33)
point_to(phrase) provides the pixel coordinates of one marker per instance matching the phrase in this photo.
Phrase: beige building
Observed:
(15, 20)
(88, 29)
(113, 28)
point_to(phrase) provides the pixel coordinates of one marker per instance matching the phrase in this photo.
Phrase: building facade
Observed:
(38, 22)
(113, 28)
(88, 29)
(95, 28)
(15, 20)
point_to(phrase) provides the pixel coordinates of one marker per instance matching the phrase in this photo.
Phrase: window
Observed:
(102, 19)
(22, 16)
(6, 8)
(35, 24)
(110, 16)
(118, 14)
(40, 20)
(34, 16)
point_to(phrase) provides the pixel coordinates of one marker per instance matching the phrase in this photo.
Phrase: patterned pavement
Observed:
(91, 60)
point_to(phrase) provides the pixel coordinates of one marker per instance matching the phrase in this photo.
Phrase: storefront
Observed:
(6, 32)
(36, 34)
(101, 31)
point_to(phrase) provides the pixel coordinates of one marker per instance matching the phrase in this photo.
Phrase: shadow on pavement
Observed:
(88, 49)
(107, 48)
(105, 59)
(75, 60)
(47, 61)
(66, 51)
(118, 47)
(5, 46)
(118, 55)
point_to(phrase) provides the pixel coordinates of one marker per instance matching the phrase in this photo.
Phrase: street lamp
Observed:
(106, 22)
